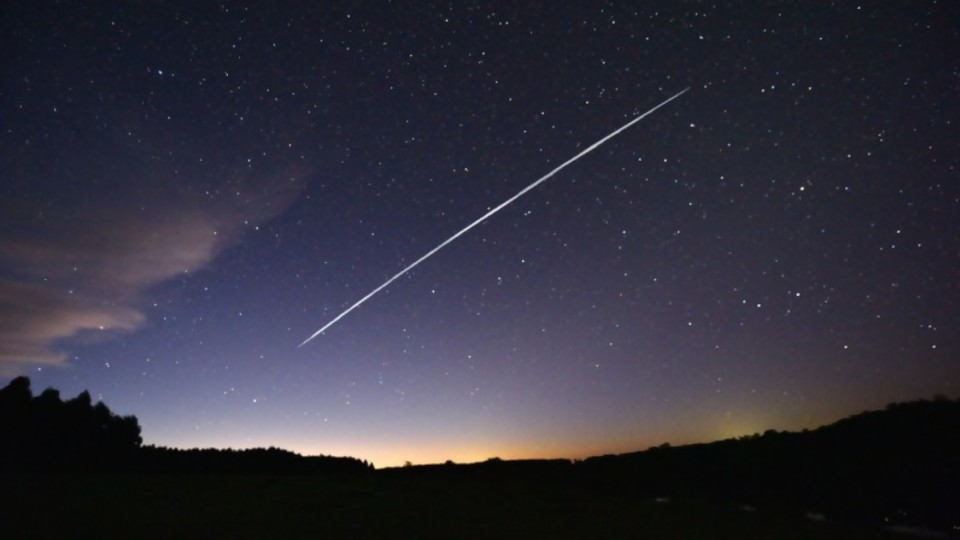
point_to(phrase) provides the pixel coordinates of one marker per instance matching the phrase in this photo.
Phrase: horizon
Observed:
(190, 190)
(472, 456)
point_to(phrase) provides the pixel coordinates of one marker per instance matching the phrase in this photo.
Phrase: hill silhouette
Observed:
(901, 464)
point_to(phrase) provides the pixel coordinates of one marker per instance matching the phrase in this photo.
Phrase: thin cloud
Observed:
(85, 268)
(35, 316)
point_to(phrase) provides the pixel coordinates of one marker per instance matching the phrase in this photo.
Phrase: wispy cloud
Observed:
(84, 266)
(33, 316)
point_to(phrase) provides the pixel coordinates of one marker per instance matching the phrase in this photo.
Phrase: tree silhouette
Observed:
(46, 433)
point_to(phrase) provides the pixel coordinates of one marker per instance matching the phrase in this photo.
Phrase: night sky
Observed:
(188, 190)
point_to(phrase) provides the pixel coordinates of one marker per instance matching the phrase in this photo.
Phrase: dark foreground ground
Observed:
(378, 505)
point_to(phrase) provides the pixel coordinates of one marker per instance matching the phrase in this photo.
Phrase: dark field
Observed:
(382, 504)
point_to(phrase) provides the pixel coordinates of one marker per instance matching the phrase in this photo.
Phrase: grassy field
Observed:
(377, 505)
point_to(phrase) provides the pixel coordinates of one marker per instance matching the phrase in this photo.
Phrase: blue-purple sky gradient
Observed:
(188, 191)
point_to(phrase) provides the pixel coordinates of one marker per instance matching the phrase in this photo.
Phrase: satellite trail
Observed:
(483, 218)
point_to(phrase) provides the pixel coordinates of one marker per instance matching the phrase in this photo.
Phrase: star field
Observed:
(189, 190)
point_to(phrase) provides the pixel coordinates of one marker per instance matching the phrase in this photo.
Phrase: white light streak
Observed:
(484, 217)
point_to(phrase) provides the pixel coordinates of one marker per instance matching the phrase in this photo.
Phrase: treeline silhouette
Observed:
(158, 459)
(47, 434)
(898, 465)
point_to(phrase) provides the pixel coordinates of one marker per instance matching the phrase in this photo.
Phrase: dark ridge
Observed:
(493, 469)
(900, 464)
